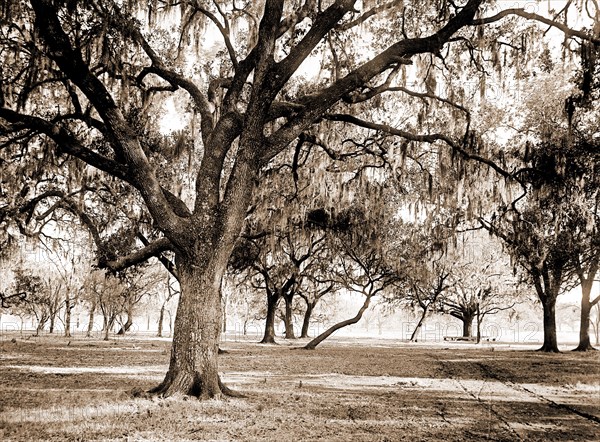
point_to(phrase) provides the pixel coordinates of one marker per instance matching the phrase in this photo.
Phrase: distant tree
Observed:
(425, 292)
(481, 286)
(595, 322)
(104, 292)
(40, 299)
(138, 283)
(64, 260)
(586, 275)
(311, 292)
(362, 265)
(171, 293)
(583, 178)
(425, 276)
(551, 228)
(245, 299)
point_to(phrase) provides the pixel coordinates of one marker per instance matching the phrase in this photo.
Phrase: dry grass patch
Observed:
(55, 390)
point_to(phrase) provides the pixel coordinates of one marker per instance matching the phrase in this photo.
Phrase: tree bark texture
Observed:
(550, 342)
(193, 367)
(467, 321)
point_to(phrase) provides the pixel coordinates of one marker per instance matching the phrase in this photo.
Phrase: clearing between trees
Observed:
(348, 389)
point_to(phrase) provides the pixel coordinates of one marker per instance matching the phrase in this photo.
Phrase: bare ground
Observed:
(362, 390)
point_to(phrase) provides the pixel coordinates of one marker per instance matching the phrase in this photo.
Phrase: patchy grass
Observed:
(365, 390)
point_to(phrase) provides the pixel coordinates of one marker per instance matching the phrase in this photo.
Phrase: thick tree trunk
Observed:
(289, 317)
(584, 322)
(331, 330)
(584, 328)
(193, 368)
(161, 318)
(467, 321)
(52, 320)
(269, 336)
(306, 321)
(584, 325)
(550, 342)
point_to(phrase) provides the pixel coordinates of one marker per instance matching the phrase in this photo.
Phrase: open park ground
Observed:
(54, 388)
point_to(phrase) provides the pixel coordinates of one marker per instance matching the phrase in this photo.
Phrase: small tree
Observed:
(362, 264)
(42, 298)
(481, 283)
(137, 284)
(104, 292)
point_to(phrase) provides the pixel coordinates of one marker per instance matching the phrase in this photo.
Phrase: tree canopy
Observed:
(88, 87)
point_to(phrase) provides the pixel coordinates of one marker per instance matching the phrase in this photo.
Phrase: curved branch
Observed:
(399, 52)
(223, 29)
(122, 138)
(370, 13)
(321, 26)
(304, 11)
(536, 17)
(69, 144)
(428, 138)
(166, 262)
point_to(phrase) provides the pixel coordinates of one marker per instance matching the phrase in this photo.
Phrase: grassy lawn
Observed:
(54, 388)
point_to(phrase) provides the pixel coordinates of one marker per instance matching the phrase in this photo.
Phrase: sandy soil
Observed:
(54, 388)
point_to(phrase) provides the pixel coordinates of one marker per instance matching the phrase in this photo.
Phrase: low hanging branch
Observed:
(153, 249)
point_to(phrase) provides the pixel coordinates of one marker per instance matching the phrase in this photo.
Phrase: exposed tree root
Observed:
(548, 349)
(268, 341)
(585, 347)
(229, 392)
(186, 384)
